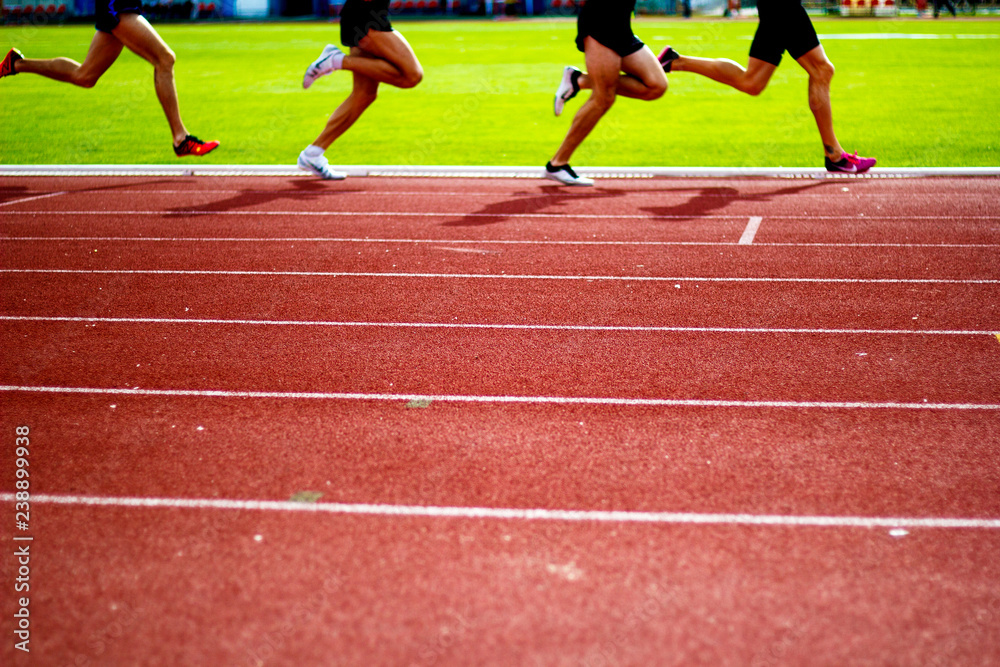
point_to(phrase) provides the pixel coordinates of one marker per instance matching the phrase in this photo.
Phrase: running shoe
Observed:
(667, 57)
(328, 61)
(7, 66)
(565, 175)
(320, 166)
(192, 145)
(568, 88)
(851, 164)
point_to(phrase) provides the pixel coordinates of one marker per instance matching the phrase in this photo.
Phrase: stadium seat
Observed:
(408, 5)
(61, 10)
(27, 10)
(433, 5)
(421, 5)
(396, 5)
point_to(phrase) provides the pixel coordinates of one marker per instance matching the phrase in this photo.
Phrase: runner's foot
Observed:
(568, 88)
(7, 66)
(850, 164)
(192, 145)
(667, 57)
(331, 59)
(564, 174)
(319, 166)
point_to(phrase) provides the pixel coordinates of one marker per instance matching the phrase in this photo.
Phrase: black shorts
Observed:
(784, 26)
(610, 23)
(109, 11)
(359, 16)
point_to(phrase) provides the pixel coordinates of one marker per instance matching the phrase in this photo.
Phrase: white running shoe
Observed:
(328, 61)
(565, 175)
(568, 88)
(320, 166)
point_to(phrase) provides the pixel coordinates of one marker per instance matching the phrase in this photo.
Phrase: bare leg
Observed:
(752, 80)
(362, 95)
(135, 32)
(104, 50)
(643, 79)
(603, 66)
(386, 58)
(820, 71)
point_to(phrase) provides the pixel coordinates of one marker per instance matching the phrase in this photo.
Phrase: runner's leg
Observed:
(643, 78)
(603, 67)
(387, 58)
(138, 35)
(362, 95)
(104, 50)
(751, 80)
(820, 71)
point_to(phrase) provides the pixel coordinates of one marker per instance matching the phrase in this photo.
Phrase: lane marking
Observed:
(516, 327)
(26, 199)
(535, 400)
(750, 231)
(508, 276)
(459, 214)
(998, 337)
(541, 242)
(511, 513)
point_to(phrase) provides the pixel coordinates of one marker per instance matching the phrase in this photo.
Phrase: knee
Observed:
(165, 60)
(754, 88)
(364, 99)
(413, 77)
(657, 90)
(84, 79)
(825, 72)
(603, 100)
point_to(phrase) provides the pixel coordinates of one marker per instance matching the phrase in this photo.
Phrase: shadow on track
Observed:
(302, 190)
(521, 205)
(713, 199)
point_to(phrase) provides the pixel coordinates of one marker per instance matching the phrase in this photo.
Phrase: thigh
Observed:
(363, 84)
(814, 61)
(141, 38)
(391, 46)
(644, 66)
(103, 52)
(603, 65)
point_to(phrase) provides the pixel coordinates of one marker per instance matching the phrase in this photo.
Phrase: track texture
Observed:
(740, 354)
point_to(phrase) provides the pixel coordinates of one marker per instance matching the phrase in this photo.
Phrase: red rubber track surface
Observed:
(879, 299)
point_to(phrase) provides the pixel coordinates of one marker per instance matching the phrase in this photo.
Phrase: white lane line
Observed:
(508, 276)
(654, 191)
(752, 226)
(459, 214)
(540, 242)
(516, 327)
(511, 513)
(535, 400)
(26, 199)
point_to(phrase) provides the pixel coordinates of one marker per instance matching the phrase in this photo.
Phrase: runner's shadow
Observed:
(302, 190)
(713, 199)
(525, 205)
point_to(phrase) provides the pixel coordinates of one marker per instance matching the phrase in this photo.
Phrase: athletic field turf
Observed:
(487, 95)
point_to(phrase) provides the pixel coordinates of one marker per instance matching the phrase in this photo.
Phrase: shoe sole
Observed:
(578, 184)
(305, 166)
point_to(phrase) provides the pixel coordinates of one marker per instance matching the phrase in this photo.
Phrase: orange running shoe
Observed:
(7, 66)
(192, 145)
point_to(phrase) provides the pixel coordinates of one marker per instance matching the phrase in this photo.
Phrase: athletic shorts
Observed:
(784, 26)
(109, 12)
(359, 16)
(610, 23)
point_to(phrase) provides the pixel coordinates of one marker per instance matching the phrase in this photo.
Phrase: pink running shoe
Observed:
(667, 57)
(850, 164)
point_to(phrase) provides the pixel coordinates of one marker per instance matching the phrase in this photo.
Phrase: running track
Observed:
(672, 422)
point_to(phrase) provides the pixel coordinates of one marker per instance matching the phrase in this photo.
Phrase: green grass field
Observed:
(486, 98)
